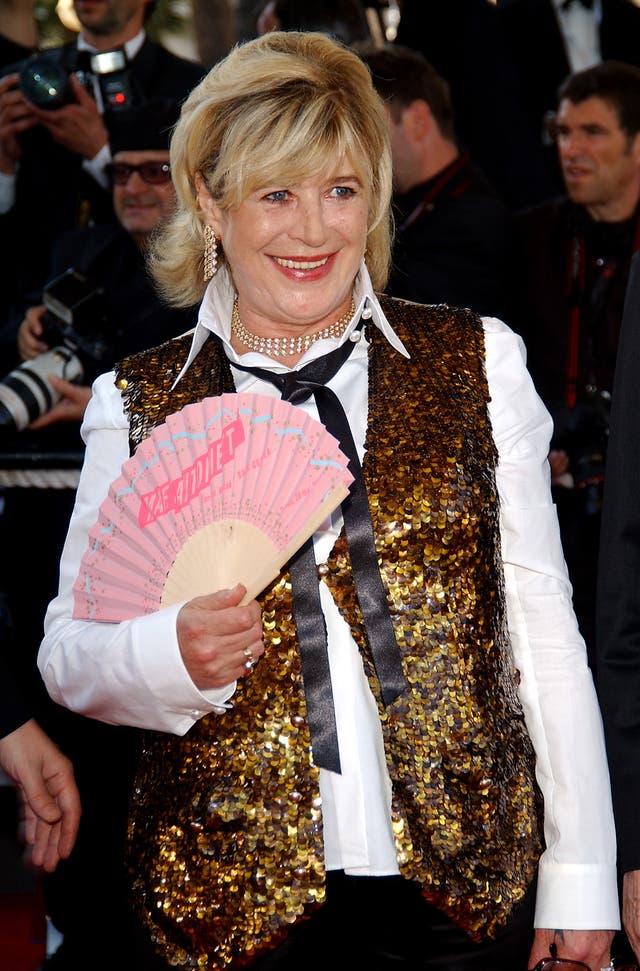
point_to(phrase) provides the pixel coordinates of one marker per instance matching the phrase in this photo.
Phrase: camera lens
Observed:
(44, 82)
(26, 393)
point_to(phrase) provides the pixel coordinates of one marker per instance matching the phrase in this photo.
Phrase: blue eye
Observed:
(280, 195)
(343, 191)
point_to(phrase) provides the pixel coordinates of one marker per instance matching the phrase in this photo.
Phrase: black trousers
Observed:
(384, 924)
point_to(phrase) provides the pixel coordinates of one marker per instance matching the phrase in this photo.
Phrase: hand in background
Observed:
(48, 792)
(29, 333)
(16, 115)
(560, 468)
(78, 127)
(71, 407)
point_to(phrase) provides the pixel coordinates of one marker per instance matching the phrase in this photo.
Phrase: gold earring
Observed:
(210, 253)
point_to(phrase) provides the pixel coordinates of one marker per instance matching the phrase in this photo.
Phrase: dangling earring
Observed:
(210, 253)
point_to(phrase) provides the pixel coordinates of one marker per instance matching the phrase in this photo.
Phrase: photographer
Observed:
(85, 897)
(570, 274)
(52, 159)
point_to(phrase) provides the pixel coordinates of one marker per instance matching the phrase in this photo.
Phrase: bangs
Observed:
(287, 145)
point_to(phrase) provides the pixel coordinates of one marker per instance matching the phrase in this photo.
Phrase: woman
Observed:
(411, 836)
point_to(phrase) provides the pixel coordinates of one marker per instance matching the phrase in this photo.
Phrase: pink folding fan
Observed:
(225, 491)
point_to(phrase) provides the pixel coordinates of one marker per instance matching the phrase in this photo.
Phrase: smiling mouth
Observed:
(300, 264)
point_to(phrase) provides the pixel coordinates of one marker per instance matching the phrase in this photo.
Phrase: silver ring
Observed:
(248, 653)
(249, 665)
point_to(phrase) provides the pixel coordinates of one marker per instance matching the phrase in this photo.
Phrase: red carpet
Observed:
(22, 932)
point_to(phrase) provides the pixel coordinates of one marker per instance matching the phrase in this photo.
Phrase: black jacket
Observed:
(618, 600)
(534, 39)
(452, 242)
(54, 192)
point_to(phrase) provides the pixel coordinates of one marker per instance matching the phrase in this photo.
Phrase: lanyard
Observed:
(436, 189)
(575, 291)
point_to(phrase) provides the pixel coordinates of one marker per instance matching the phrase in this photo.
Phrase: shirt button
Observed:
(367, 313)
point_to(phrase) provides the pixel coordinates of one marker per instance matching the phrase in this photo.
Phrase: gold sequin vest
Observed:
(226, 827)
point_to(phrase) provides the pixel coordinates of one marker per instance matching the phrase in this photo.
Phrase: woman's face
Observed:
(294, 250)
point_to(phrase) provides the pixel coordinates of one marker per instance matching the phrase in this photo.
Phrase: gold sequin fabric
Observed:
(226, 827)
(466, 806)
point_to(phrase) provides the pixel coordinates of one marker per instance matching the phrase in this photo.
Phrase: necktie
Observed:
(296, 387)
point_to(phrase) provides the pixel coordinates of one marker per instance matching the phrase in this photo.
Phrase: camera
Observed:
(44, 78)
(583, 432)
(75, 328)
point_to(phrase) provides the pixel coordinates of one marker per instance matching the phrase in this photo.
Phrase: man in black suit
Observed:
(52, 161)
(550, 39)
(463, 40)
(618, 606)
(452, 229)
(569, 276)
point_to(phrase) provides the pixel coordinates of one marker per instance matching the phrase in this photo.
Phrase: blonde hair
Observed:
(278, 106)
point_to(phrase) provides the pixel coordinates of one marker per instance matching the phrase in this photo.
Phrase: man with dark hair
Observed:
(343, 19)
(573, 36)
(452, 229)
(52, 159)
(569, 276)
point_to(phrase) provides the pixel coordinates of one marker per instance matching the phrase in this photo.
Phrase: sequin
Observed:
(226, 827)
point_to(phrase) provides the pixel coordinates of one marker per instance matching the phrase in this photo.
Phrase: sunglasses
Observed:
(154, 173)
(554, 963)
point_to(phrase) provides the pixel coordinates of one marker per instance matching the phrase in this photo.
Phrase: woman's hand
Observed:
(631, 909)
(593, 948)
(214, 632)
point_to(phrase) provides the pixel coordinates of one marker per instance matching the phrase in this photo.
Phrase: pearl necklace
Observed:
(286, 346)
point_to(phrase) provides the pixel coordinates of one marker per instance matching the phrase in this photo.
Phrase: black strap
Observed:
(296, 387)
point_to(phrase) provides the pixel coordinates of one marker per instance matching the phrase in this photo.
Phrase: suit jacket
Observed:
(54, 192)
(456, 250)
(463, 40)
(618, 599)
(541, 302)
(536, 45)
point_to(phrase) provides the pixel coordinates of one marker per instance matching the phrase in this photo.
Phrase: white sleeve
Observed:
(130, 673)
(96, 166)
(577, 885)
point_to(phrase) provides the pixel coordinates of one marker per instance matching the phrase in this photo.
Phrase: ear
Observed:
(417, 119)
(208, 205)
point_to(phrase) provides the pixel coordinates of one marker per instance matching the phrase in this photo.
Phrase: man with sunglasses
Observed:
(52, 158)
(86, 896)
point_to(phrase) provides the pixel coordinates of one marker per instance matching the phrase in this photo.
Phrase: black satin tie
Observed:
(296, 387)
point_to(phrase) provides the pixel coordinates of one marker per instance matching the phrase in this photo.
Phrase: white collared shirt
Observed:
(132, 673)
(580, 30)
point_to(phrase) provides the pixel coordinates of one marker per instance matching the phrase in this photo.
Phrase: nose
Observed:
(136, 185)
(310, 225)
(571, 144)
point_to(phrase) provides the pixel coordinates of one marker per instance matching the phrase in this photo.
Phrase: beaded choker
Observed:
(286, 346)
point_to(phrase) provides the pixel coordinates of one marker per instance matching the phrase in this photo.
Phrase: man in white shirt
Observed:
(52, 160)
(550, 39)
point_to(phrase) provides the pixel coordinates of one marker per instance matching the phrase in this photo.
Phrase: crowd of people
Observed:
(434, 260)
